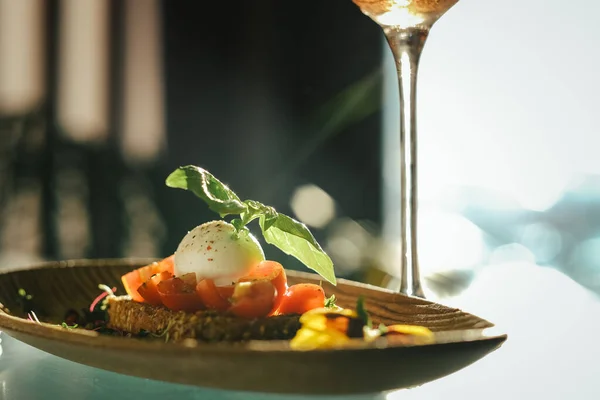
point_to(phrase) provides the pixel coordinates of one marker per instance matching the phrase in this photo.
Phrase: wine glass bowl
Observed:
(405, 14)
(406, 24)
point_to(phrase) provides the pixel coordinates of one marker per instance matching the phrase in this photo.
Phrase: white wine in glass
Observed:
(406, 24)
(405, 14)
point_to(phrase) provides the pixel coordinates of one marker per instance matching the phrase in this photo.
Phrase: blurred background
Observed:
(101, 100)
(295, 104)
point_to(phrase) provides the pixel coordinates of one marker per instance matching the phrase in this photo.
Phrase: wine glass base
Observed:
(417, 291)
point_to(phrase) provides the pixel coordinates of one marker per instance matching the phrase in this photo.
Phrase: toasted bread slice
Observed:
(134, 317)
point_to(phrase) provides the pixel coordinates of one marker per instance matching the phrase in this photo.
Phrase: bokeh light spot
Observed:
(313, 206)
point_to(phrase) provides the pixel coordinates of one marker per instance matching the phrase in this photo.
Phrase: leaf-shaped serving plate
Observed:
(265, 366)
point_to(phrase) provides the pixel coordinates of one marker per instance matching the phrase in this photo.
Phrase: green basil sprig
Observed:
(290, 236)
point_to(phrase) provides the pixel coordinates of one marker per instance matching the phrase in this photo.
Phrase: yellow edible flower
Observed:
(409, 334)
(325, 328)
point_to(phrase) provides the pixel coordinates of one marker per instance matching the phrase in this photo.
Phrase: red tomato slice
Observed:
(176, 295)
(212, 296)
(189, 279)
(273, 272)
(131, 281)
(148, 271)
(226, 292)
(149, 290)
(301, 298)
(134, 279)
(253, 299)
(188, 302)
(168, 264)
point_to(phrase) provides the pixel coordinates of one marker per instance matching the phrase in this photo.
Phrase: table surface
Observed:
(552, 352)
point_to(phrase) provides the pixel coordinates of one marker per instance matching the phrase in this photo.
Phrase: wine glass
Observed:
(406, 24)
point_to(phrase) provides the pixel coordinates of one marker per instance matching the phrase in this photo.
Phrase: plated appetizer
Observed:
(218, 286)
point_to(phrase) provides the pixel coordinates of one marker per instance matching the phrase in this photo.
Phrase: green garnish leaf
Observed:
(238, 224)
(330, 301)
(203, 184)
(294, 238)
(165, 333)
(361, 311)
(290, 236)
(22, 293)
(64, 325)
(257, 210)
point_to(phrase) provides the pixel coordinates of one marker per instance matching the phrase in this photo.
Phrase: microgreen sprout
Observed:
(165, 332)
(106, 292)
(32, 317)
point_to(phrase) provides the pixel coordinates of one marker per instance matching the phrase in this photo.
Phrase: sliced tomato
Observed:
(148, 271)
(214, 297)
(168, 264)
(149, 290)
(273, 272)
(131, 281)
(226, 292)
(134, 279)
(157, 267)
(185, 301)
(177, 295)
(301, 298)
(189, 279)
(253, 299)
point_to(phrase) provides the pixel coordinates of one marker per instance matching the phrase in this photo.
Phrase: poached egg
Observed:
(216, 250)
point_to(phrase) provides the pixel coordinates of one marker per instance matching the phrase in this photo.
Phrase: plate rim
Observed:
(10, 323)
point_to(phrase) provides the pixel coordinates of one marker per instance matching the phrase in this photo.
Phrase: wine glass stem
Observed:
(406, 45)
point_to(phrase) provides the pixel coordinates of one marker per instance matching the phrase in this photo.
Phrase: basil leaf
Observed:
(256, 210)
(289, 235)
(269, 220)
(203, 184)
(294, 238)
(238, 224)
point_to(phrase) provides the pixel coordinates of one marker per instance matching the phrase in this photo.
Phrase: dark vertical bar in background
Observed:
(48, 203)
(105, 166)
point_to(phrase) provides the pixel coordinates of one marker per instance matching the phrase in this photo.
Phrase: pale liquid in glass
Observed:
(405, 14)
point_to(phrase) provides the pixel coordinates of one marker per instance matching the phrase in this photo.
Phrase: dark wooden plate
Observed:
(461, 338)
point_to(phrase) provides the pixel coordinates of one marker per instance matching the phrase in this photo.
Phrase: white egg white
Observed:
(214, 250)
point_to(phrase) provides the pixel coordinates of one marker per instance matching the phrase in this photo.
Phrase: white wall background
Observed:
(508, 101)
